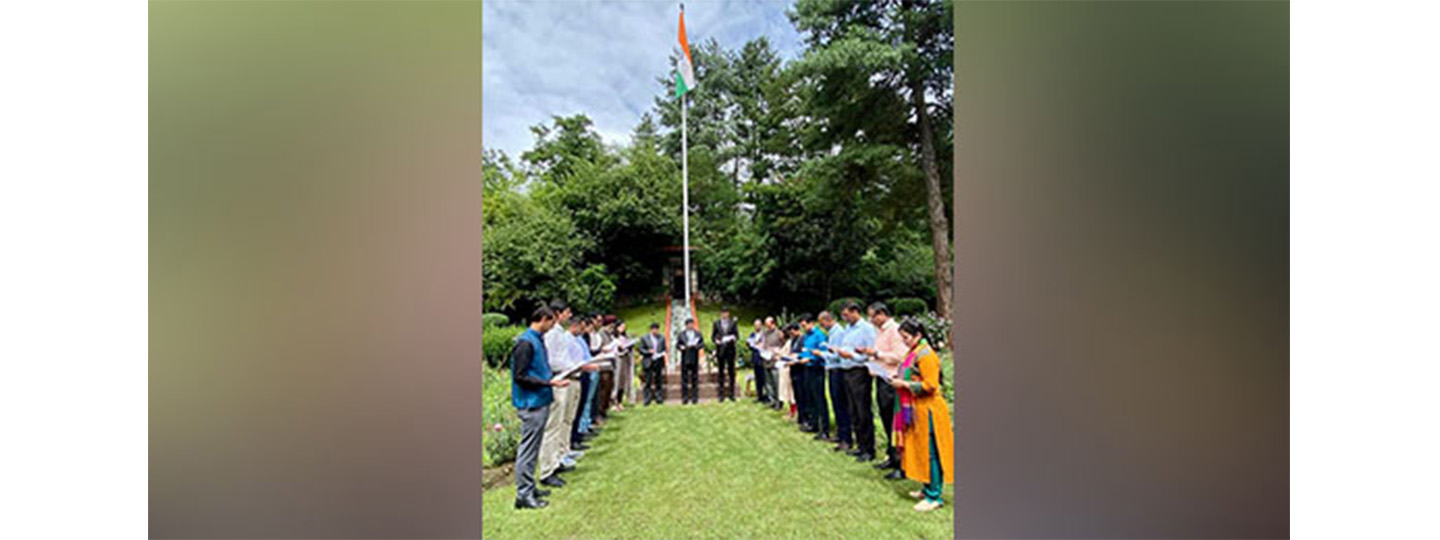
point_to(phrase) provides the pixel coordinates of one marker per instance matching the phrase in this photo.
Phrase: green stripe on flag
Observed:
(680, 88)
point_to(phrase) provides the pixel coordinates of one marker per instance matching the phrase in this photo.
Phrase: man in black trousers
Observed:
(689, 343)
(652, 360)
(724, 335)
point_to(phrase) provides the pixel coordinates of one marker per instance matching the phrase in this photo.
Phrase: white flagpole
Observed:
(685, 186)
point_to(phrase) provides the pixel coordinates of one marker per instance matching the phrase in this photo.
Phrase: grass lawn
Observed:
(716, 470)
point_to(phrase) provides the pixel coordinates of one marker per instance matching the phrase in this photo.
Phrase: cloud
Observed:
(603, 59)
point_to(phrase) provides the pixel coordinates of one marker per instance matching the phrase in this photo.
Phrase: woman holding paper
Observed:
(921, 425)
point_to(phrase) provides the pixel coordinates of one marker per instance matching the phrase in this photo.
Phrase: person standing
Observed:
(860, 336)
(757, 362)
(604, 336)
(652, 361)
(772, 347)
(724, 334)
(890, 351)
(564, 354)
(835, 378)
(784, 363)
(624, 349)
(531, 393)
(926, 440)
(689, 343)
(813, 367)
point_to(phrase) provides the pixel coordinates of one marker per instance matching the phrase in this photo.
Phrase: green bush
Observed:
(903, 307)
(835, 304)
(492, 320)
(501, 444)
(496, 343)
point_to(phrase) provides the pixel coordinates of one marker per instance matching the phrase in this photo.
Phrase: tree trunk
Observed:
(939, 225)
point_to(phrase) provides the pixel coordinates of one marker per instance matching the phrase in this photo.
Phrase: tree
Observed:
(869, 56)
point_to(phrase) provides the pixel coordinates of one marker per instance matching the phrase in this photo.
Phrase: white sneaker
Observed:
(917, 495)
(926, 506)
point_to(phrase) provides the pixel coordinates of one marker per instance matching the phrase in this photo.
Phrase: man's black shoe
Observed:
(842, 447)
(580, 446)
(565, 468)
(865, 457)
(852, 452)
(821, 436)
(807, 428)
(553, 480)
(895, 475)
(531, 502)
(887, 464)
(541, 493)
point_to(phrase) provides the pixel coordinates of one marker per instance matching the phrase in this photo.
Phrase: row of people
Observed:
(853, 357)
(561, 394)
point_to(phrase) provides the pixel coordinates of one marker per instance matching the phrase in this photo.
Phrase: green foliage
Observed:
(594, 291)
(531, 254)
(491, 320)
(496, 343)
(903, 307)
(499, 445)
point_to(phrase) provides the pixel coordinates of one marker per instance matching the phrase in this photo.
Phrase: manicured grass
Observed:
(716, 470)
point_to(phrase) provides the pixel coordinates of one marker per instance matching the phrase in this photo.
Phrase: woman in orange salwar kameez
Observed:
(921, 426)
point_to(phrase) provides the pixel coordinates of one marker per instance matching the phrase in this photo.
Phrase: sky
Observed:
(561, 57)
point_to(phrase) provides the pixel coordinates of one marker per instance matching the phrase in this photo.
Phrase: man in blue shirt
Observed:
(813, 380)
(860, 336)
(531, 393)
(839, 402)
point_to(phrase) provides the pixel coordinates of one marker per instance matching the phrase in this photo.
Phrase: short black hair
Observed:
(557, 305)
(792, 327)
(654, 326)
(806, 317)
(850, 305)
(880, 307)
(724, 309)
(541, 313)
(688, 321)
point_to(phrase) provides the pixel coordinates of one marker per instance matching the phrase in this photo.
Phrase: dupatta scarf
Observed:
(905, 413)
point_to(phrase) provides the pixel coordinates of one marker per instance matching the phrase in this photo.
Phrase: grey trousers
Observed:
(532, 431)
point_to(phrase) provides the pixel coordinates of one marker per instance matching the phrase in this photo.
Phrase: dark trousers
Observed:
(725, 357)
(579, 411)
(886, 401)
(862, 420)
(801, 393)
(690, 381)
(655, 382)
(819, 412)
(759, 365)
(840, 402)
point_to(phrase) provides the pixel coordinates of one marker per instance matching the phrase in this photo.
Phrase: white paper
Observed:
(879, 370)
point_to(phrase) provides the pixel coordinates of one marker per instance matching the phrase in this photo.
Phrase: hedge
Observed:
(902, 307)
(496, 343)
(491, 320)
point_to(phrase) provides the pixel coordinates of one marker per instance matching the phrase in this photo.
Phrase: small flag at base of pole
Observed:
(685, 75)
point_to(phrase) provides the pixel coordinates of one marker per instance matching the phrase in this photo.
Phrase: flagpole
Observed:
(685, 187)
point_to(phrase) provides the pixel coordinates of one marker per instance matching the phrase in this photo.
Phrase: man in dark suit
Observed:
(724, 334)
(652, 360)
(690, 342)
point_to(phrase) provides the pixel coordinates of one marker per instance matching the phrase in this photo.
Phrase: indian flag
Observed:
(685, 76)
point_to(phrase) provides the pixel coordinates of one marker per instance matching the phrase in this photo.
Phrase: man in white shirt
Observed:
(563, 353)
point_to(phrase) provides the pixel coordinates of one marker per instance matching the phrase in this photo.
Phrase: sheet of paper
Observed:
(879, 370)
